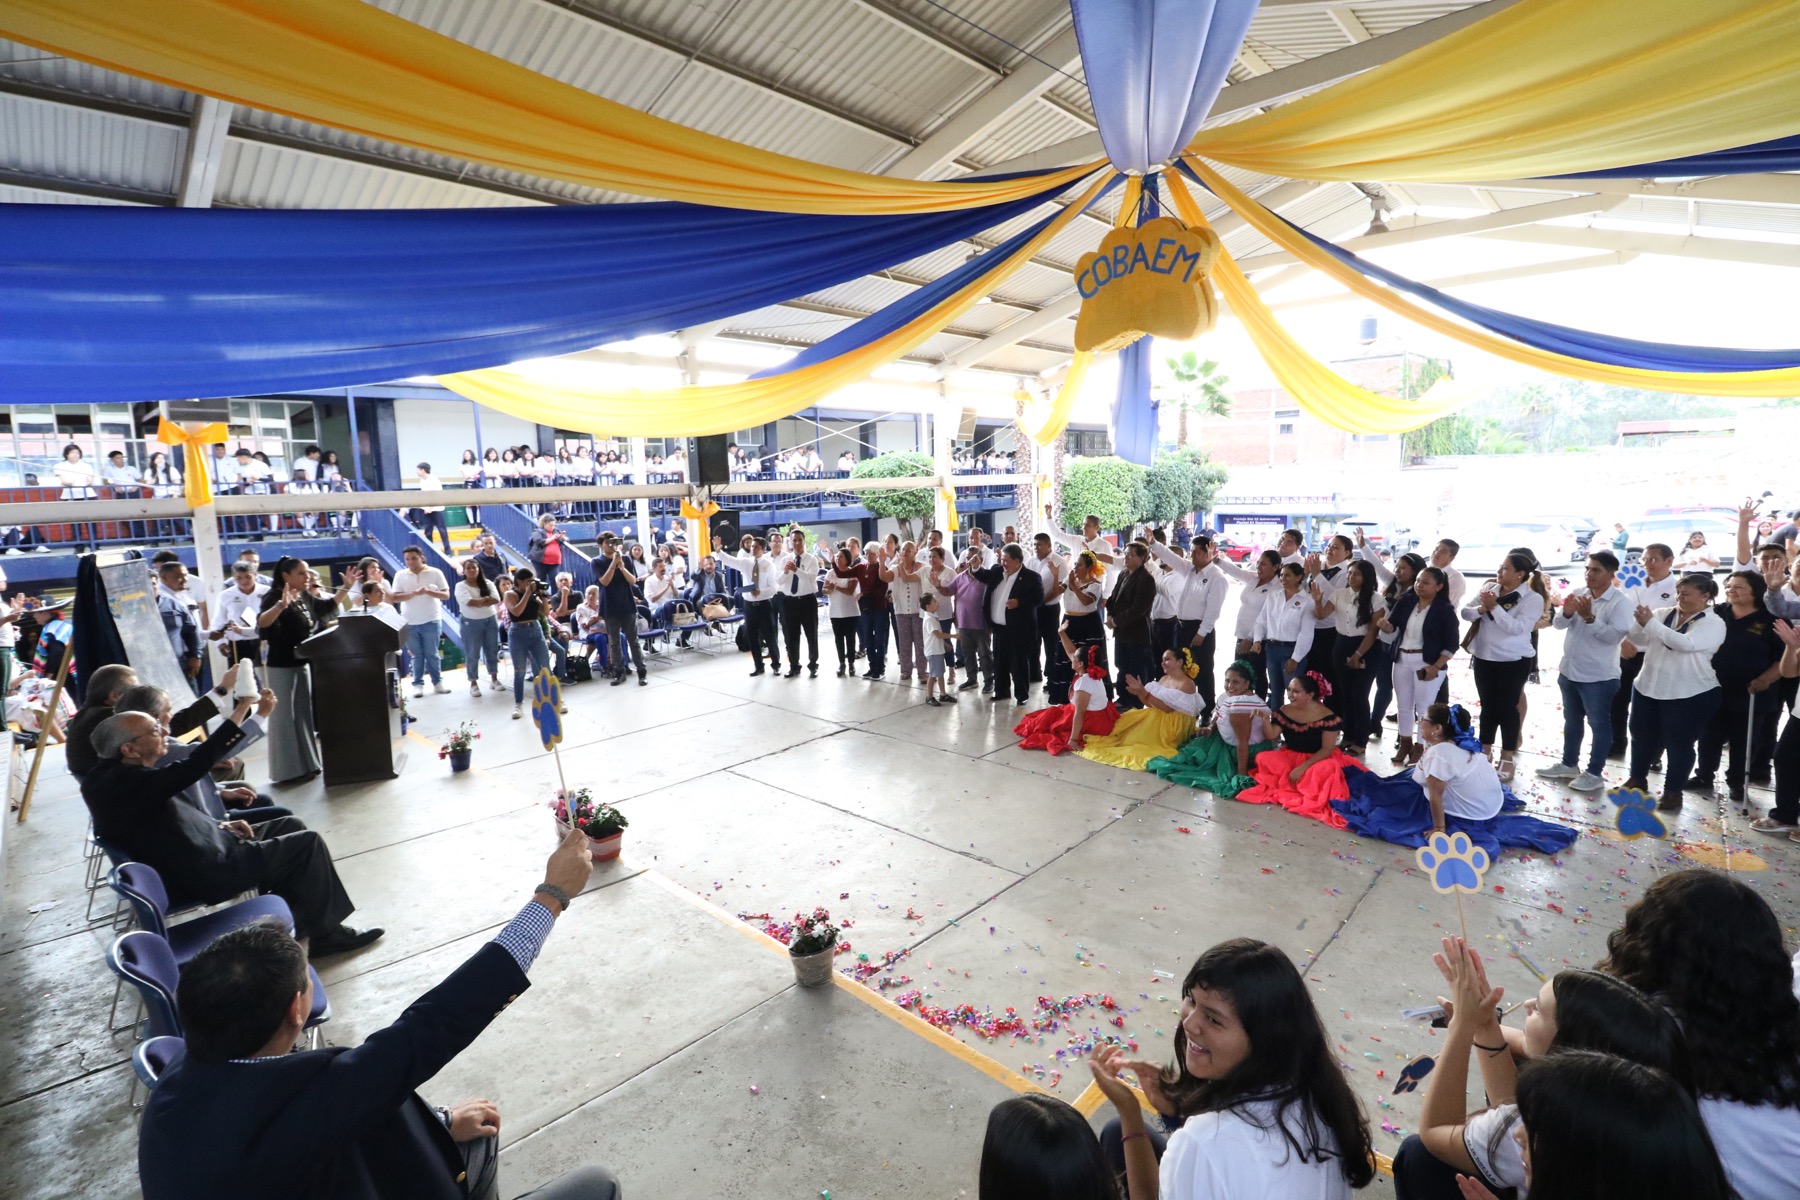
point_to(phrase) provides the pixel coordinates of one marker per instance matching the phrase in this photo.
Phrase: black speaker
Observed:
(724, 526)
(711, 466)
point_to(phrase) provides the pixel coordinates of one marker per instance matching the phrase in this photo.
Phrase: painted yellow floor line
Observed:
(915, 1024)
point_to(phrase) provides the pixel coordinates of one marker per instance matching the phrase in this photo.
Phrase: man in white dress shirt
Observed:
(761, 579)
(798, 584)
(1291, 545)
(234, 614)
(1051, 570)
(1657, 591)
(1200, 601)
(419, 592)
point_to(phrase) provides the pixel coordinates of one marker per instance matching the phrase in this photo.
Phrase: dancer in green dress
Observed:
(1218, 758)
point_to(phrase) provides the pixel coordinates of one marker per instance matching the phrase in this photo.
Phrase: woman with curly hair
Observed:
(1256, 1100)
(1088, 713)
(1219, 757)
(1162, 726)
(1307, 773)
(1709, 947)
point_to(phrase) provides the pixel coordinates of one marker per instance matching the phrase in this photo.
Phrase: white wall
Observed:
(438, 431)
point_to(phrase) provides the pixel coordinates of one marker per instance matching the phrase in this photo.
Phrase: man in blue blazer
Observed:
(241, 1117)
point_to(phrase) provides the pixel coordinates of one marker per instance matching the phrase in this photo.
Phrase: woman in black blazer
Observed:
(1429, 636)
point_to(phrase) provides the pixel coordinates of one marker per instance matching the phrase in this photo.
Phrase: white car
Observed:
(1482, 549)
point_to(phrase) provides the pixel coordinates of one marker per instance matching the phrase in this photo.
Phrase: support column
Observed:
(943, 425)
(641, 472)
(690, 377)
(209, 565)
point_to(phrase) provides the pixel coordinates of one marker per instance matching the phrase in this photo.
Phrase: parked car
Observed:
(1584, 528)
(1236, 552)
(1672, 527)
(1481, 551)
(1387, 538)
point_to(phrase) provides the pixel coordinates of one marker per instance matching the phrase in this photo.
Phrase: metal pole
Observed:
(355, 439)
(479, 448)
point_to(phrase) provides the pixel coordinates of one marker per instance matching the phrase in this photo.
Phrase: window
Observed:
(1286, 427)
(1089, 442)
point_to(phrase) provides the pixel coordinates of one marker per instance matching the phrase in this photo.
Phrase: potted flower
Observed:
(813, 946)
(604, 824)
(459, 744)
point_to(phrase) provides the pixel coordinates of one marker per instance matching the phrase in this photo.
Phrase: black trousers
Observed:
(1014, 648)
(1165, 634)
(843, 635)
(1621, 707)
(800, 614)
(291, 861)
(1133, 659)
(1787, 775)
(1768, 720)
(1499, 685)
(435, 520)
(759, 627)
(1350, 695)
(1204, 653)
(1049, 622)
(1729, 729)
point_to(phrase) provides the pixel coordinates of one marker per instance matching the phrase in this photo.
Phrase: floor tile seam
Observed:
(496, 925)
(61, 937)
(603, 737)
(435, 829)
(906, 833)
(1344, 924)
(863, 728)
(647, 1068)
(63, 1083)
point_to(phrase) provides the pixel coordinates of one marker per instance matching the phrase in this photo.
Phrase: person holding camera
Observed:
(619, 603)
(530, 648)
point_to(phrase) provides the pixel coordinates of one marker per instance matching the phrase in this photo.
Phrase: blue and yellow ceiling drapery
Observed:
(1544, 87)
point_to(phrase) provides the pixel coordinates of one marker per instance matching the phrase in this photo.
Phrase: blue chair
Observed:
(102, 854)
(151, 1059)
(144, 960)
(143, 890)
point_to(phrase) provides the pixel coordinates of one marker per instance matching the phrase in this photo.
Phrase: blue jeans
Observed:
(422, 642)
(481, 638)
(1275, 657)
(873, 626)
(1591, 702)
(529, 655)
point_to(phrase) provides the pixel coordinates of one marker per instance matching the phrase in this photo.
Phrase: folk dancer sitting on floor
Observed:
(1219, 757)
(1162, 726)
(1088, 713)
(1308, 772)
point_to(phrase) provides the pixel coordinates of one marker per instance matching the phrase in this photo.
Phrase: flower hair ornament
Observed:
(1462, 729)
(1242, 666)
(1188, 664)
(1320, 682)
(1094, 655)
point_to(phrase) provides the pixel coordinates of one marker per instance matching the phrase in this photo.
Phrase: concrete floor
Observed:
(1007, 876)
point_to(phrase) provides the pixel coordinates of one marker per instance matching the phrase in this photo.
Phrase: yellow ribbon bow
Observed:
(701, 513)
(197, 478)
(950, 509)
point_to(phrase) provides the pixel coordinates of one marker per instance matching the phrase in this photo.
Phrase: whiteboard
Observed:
(131, 597)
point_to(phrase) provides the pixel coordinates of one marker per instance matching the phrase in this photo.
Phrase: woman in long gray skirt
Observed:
(291, 613)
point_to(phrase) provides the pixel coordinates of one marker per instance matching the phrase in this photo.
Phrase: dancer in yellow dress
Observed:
(1162, 726)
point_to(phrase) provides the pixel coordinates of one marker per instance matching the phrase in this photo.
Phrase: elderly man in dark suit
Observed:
(205, 793)
(104, 688)
(1128, 612)
(243, 1118)
(1013, 597)
(138, 808)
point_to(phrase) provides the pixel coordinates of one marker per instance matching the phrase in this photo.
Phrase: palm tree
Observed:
(1198, 387)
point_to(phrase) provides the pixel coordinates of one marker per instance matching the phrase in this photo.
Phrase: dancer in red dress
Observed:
(1089, 711)
(1307, 773)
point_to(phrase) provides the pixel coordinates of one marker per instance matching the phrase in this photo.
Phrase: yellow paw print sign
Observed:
(1148, 280)
(546, 707)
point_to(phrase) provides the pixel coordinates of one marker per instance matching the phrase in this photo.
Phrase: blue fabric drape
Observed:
(1576, 343)
(1782, 154)
(1154, 68)
(1134, 410)
(122, 304)
(1393, 808)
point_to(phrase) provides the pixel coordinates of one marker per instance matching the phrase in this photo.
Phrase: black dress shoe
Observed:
(756, 672)
(618, 679)
(643, 680)
(812, 672)
(795, 670)
(967, 685)
(1670, 802)
(342, 940)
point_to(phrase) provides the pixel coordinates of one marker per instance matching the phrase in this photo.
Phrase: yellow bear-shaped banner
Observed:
(1148, 280)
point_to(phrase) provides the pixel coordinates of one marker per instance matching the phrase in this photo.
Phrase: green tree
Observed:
(1181, 484)
(1109, 488)
(904, 505)
(1197, 387)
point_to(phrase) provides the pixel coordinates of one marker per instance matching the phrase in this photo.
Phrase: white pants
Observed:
(1412, 695)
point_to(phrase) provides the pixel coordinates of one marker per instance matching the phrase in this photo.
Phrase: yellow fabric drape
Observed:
(701, 513)
(1778, 382)
(1313, 385)
(1545, 87)
(197, 478)
(1044, 422)
(350, 65)
(950, 519)
(721, 408)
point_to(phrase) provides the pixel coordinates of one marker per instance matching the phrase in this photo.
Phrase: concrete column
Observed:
(209, 566)
(690, 377)
(639, 471)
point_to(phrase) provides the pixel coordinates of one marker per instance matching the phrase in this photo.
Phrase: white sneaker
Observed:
(1586, 782)
(440, 689)
(518, 711)
(1556, 771)
(418, 690)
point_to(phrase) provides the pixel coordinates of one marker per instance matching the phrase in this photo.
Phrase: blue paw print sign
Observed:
(1631, 575)
(1414, 1073)
(1453, 862)
(1636, 817)
(546, 707)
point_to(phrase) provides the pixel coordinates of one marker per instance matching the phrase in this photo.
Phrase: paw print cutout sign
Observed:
(1414, 1073)
(1631, 575)
(1454, 864)
(1636, 817)
(546, 707)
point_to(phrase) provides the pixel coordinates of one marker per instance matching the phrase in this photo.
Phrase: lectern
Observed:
(356, 699)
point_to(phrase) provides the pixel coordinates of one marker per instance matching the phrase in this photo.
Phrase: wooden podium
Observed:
(356, 699)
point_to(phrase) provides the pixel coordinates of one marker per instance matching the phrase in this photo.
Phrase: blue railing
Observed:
(390, 535)
(511, 524)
